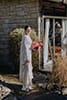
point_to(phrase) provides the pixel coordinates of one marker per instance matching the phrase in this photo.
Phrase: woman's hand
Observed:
(35, 49)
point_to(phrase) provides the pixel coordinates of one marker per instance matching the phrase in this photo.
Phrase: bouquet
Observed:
(36, 45)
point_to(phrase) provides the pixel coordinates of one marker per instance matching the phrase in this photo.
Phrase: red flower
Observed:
(37, 44)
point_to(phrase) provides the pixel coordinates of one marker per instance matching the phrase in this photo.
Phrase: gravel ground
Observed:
(11, 82)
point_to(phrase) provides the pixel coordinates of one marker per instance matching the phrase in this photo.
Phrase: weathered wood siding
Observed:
(13, 14)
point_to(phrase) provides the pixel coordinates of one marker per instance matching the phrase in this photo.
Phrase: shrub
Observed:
(14, 45)
(59, 74)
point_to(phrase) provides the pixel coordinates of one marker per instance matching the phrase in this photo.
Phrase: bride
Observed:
(26, 74)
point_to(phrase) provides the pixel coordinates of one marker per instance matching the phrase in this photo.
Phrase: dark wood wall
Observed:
(15, 14)
(53, 8)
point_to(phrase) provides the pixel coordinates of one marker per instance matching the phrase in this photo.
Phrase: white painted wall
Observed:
(56, 0)
(65, 1)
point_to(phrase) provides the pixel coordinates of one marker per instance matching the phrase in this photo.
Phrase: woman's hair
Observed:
(26, 27)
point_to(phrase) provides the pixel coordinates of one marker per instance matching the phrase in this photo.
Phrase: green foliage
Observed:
(14, 44)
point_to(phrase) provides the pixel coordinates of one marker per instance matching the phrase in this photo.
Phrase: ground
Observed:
(11, 81)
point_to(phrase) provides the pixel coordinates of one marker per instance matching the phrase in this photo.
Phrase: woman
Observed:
(26, 74)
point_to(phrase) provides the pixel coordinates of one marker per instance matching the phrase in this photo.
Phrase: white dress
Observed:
(26, 74)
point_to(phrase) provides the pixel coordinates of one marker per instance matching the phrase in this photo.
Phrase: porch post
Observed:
(64, 30)
(54, 37)
(45, 54)
(39, 30)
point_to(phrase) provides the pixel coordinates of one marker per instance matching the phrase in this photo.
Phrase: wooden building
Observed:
(18, 13)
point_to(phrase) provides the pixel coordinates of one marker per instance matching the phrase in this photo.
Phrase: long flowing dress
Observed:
(25, 74)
